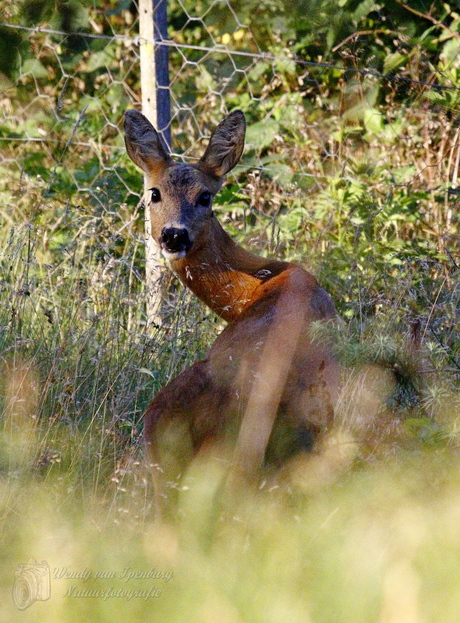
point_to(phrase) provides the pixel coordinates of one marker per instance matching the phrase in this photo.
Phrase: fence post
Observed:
(153, 27)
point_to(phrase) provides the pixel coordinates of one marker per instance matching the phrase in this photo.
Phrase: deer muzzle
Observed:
(175, 242)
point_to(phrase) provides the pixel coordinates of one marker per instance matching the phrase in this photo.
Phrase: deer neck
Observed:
(226, 277)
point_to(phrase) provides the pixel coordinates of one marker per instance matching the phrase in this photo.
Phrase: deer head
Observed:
(180, 196)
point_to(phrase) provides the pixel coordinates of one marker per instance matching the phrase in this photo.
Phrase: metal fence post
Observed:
(153, 28)
(160, 24)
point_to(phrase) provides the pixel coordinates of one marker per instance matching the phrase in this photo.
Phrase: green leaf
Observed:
(282, 173)
(363, 9)
(205, 81)
(434, 96)
(261, 134)
(450, 51)
(98, 60)
(392, 61)
(404, 174)
(373, 120)
(34, 67)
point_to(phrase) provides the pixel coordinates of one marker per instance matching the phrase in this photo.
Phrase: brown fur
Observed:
(264, 383)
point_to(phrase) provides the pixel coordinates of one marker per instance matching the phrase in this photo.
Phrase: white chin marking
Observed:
(168, 255)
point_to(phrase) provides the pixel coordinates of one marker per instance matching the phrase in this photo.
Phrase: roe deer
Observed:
(264, 385)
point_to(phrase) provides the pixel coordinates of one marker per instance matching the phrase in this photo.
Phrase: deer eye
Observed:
(204, 199)
(156, 195)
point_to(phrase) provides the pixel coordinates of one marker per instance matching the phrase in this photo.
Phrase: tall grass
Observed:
(365, 529)
(78, 366)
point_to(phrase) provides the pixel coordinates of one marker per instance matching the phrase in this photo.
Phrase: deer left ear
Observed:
(225, 146)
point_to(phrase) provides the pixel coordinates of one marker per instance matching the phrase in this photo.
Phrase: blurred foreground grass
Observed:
(330, 541)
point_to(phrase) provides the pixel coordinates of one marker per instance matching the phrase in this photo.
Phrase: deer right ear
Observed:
(225, 145)
(143, 143)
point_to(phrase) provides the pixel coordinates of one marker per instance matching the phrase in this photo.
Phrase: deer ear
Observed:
(225, 146)
(143, 143)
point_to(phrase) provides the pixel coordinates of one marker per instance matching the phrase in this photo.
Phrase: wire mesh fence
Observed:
(98, 71)
(65, 99)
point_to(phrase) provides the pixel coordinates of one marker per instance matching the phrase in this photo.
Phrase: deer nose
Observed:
(175, 240)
